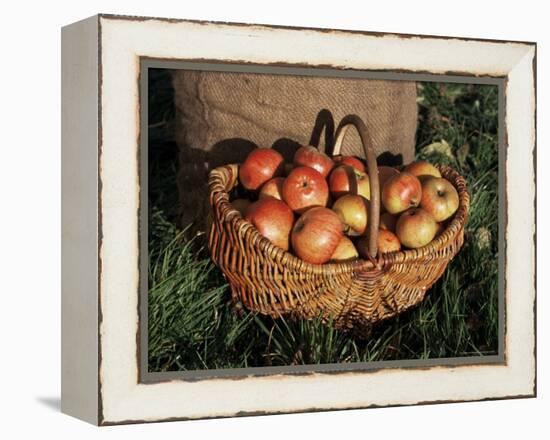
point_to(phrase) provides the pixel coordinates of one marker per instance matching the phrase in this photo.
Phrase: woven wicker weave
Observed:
(271, 281)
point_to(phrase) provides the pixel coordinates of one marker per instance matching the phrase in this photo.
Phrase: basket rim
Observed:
(221, 176)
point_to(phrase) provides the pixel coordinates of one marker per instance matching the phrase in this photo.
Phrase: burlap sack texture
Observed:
(222, 116)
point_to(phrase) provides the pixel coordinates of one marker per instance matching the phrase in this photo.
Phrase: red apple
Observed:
(345, 251)
(440, 229)
(352, 161)
(259, 166)
(273, 219)
(353, 212)
(439, 198)
(241, 205)
(385, 174)
(422, 169)
(387, 242)
(345, 179)
(415, 228)
(272, 188)
(305, 188)
(309, 156)
(388, 221)
(316, 235)
(401, 192)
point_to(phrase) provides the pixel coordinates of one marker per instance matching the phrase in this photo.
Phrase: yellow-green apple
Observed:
(439, 198)
(353, 212)
(272, 188)
(401, 192)
(387, 242)
(316, 235)
(305, 188)
(308, 156)
(241, 205)
(387, 221)
(273, 219)
(422, 169)
(415, 228)
(385, 174)
(259, 166)
(352, 161)
(344, 251)
(345, 179)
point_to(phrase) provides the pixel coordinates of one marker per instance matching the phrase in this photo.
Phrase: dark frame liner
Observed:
(145, 376)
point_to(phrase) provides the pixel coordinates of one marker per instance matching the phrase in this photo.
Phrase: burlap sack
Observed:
(222, 116)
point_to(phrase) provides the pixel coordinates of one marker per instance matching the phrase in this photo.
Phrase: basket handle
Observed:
(374, 205)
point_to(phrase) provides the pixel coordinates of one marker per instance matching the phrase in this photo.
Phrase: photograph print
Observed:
(301, 219)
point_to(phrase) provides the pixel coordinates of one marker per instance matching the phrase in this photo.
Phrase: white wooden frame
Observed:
(101, 194)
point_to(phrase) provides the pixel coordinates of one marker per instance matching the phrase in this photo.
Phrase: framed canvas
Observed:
(167, 316)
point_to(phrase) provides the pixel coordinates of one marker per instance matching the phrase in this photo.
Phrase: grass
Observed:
(193, 325)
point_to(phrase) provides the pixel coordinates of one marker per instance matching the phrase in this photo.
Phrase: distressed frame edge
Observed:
(124, 17)
(106, 422)
(535, 201)
(531, 55)
(315, 410)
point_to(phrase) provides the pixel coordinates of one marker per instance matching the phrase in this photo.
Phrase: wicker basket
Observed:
(271, 281)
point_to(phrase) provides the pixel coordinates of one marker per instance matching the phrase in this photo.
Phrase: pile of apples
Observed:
(317, 207)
